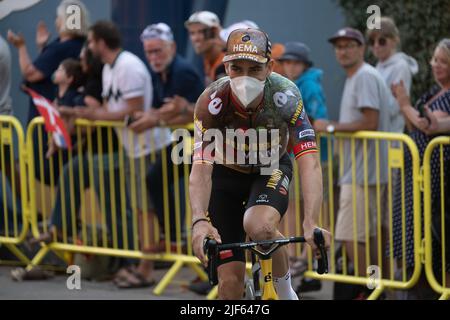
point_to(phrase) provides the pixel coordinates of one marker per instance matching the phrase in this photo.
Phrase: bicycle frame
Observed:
(268, 247)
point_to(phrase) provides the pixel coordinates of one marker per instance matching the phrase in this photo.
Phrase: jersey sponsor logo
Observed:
(274, 179)
(245, 48)
(307, 145)
(262, 198)
(305, 148)
(215, 105)
(307, 133)
(297, 113)
(281, 98)
(246, 38)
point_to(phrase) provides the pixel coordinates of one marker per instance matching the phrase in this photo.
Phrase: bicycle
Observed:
(264, 262)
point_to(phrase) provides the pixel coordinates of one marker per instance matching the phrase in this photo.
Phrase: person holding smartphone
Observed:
(437, 102)
(204, 31)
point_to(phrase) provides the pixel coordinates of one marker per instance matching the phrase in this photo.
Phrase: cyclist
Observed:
(230, 199)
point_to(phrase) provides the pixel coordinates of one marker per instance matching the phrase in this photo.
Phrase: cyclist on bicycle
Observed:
(232, 199)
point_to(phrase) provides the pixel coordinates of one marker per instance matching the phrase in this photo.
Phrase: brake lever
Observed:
(322, 263)
(211, 250)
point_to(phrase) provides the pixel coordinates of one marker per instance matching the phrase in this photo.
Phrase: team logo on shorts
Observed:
(274, 179)
(262, 199)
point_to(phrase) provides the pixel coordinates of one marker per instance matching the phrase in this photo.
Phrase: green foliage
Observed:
(422, 24)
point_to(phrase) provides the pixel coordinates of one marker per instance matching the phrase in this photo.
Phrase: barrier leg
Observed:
(64, 256)
(199, 271)
(376, 293)
(23, 258)
(445, 296)
(168, 277)
(38, 258)
(212, 295)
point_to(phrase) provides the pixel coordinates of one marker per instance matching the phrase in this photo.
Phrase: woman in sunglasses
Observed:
(393, 65)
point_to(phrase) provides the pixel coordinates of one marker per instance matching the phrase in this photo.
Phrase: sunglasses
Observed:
(381, 41)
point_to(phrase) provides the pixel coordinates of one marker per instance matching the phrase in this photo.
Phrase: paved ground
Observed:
(56, 288)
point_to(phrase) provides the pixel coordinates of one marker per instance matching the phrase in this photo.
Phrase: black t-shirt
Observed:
(71, 98)
(93, 88)
(47, 62)
(182, 80)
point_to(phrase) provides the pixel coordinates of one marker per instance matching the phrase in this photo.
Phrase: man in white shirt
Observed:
(127, 92)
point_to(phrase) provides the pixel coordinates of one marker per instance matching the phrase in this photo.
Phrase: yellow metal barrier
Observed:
(437, 218)
(14, 193)
(109, 218)
(375, 249)
(113, 218)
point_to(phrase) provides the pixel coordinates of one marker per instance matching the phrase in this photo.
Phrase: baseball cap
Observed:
(157, 31)
(248, 44)
(296, 51)
(225, 33)
(348, 33)
(207, 18)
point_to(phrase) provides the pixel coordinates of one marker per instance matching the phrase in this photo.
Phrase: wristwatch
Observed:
(330, 128)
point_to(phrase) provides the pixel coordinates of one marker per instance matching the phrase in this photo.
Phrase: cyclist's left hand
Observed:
(309, 237)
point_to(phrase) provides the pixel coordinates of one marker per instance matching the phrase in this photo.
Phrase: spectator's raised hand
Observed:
(42, 34)
(16, 40)
(400, 94)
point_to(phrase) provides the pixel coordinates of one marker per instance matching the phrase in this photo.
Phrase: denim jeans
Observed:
(110, 185)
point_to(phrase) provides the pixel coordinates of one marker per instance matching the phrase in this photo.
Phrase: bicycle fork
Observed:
(269, 292)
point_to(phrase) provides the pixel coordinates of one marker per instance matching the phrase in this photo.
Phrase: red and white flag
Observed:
(52, 119)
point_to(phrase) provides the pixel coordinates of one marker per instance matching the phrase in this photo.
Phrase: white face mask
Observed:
(246, 89)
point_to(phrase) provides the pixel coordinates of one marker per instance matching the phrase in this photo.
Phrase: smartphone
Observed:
(421, 109)
(208, 33)
(128, 120)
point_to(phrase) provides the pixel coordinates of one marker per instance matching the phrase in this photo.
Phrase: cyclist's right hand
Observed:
(201, 231)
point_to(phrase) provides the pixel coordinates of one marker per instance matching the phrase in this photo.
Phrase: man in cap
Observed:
(177, 85)
(204, 31)
(230, 199)
(298, 67)
(176, 89)
(363, 107)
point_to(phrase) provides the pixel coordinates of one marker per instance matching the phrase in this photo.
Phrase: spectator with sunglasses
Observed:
(394, 66)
